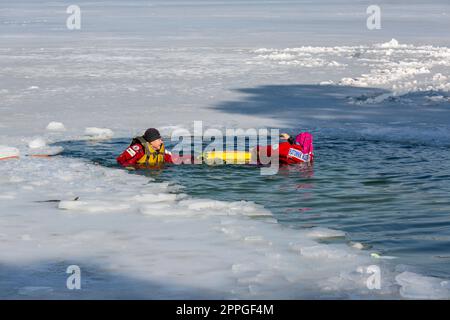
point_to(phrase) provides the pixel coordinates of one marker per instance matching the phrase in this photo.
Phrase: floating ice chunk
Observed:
(56, 126)
(396, 67)
(165, 209)
(93, 133)
(93, 206)
(263, 50)
(226, 208)
(325, 233)
(151, 189)
(46, 151)
(33, 88)
(37, 143)
(391, 44)
(304, 56)
(172, 205)
(202, 204)
(322, 251)
(415, 286)
(357, 245)
(160, 197)
(8, 152)
(39, 147)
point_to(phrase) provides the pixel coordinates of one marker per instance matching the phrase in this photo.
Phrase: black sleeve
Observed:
(135, 141)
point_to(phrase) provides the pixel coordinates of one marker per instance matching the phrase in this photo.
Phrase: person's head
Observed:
(154, 138)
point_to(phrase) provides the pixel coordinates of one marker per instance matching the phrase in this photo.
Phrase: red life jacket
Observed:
(131, 155)
(287, 153)
(292, 153)
(135, 152)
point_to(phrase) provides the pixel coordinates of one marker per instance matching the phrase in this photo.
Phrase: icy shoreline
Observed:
(234, 255)
(153, 242)
(227, 63)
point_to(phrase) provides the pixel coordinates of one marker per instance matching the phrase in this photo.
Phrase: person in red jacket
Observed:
(146, 151)
(303, 142)
(291, 151)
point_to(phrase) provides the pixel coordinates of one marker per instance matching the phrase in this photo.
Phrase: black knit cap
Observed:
(151, 135)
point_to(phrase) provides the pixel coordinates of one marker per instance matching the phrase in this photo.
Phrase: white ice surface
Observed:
(56, 126)
(415, 286)
(37, 143)
(401, 68)
(134, 238)
(93, 133)
(45, 151)
(127, 230)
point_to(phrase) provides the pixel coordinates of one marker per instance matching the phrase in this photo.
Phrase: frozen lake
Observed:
(377, 102)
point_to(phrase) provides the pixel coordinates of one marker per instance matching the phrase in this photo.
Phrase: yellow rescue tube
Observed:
(228, 157)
